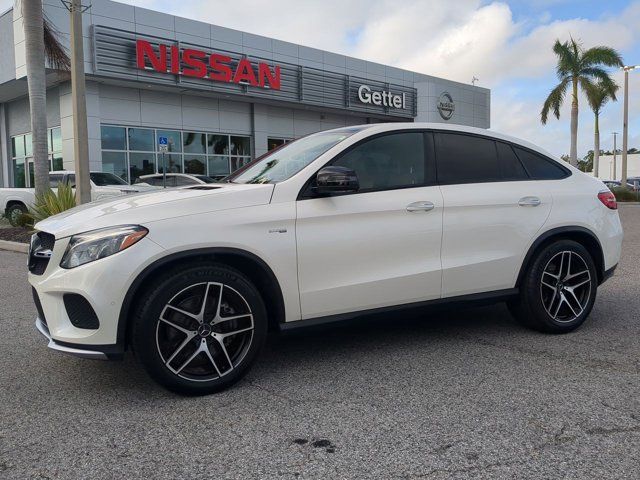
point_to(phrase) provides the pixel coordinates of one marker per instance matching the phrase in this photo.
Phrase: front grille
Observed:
(42, 244)
(47, 240)
(80, 311)
(36, 300)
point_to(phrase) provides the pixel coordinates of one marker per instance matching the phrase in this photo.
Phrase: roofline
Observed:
(391, 126)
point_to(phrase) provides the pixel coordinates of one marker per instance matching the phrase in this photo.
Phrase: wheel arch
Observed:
(582, 235)
(246, 262)
(12, 202)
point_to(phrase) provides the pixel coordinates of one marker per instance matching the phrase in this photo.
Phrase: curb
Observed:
(14, 246)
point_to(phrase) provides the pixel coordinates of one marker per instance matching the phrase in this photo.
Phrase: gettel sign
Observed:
(386, 99)
(217, 67)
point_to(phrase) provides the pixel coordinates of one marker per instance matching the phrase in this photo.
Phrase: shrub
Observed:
(51, 203)
(625, 194)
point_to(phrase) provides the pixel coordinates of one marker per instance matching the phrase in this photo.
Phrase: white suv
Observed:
(337, 224)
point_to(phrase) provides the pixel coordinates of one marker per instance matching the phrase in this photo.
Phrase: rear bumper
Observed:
(76, 351)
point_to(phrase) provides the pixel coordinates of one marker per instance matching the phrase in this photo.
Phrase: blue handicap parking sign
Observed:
(163, 141)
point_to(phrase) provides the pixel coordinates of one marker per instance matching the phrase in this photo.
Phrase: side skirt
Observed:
(475, 299)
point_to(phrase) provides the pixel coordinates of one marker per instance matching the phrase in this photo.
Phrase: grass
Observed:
(625, 195)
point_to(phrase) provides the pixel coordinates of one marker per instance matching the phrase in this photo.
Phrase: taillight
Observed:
(608, 199)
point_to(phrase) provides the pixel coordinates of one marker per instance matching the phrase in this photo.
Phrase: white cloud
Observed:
(5, 5)
(451, 39)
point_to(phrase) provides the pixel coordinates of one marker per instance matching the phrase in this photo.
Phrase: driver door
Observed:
(380, 246)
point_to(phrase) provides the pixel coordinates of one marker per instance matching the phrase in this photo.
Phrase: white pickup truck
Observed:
(16, 201)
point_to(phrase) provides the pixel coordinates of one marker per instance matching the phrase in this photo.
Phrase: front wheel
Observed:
(14, 212)
(200, 329)
(558, 290)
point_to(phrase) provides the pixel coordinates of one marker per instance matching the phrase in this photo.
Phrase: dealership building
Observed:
(220, 96)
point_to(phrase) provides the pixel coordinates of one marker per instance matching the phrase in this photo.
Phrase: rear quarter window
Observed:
(540, 167)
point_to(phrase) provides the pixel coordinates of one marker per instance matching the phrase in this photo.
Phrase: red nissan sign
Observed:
(199, 64)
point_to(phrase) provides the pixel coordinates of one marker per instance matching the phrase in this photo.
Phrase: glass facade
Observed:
(22, 156)
(131, 152)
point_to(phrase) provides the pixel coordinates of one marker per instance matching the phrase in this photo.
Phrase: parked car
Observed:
(338, 224)
(612, 183)
(174, 180)
(633, 183)
(16, 201)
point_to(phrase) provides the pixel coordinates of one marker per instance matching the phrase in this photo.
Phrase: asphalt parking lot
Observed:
(465, 394)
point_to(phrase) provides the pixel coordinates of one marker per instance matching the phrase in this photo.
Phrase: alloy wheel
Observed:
(204, 331)
(565, 286)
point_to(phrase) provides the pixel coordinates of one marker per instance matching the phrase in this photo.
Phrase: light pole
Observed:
(625, 125)
(615, 135)
(79, 103)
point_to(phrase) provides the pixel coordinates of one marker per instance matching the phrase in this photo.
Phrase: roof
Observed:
(390, 126)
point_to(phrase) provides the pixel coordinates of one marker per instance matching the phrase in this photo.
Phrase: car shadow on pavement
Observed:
(332, 342)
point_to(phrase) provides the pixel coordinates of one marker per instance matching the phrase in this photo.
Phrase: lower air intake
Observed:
(80, 311)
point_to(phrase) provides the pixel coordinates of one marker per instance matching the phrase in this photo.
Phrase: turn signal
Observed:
(608, 199)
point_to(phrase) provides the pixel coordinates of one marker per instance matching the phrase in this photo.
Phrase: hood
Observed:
(143, 208)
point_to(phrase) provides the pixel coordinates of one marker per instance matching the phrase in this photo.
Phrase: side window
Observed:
(54, 180)
(71, 180)
(154, 181)
(158, 181)
(510, 166)
(539, 167)
(182, 181)
(464, 158)
(389, 161)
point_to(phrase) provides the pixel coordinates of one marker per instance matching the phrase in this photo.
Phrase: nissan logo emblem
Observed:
(446, 107)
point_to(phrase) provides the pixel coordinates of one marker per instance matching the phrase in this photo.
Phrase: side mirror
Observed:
(334, 179)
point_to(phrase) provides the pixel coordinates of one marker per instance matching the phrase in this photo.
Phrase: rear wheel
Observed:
(200, 329)
(558, 290)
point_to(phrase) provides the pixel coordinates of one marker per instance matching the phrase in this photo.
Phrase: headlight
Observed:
(90, 246)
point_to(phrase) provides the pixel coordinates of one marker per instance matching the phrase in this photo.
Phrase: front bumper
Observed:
(103, 284)
(77, 352)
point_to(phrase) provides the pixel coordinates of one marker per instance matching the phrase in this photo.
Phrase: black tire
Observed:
(14, 212)
(535, 307)
(154, 340)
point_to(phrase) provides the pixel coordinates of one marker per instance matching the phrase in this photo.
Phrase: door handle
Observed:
(529, 202)
(420, 207)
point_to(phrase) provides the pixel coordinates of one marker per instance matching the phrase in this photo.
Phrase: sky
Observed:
(507, 45)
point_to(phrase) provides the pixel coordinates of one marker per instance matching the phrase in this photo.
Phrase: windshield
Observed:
(288, 160)
(102, 179)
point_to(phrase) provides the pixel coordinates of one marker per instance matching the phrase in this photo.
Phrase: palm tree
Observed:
(598, 95)
(578, 67)
(40, 42)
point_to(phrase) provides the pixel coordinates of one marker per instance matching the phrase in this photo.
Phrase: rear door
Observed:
(377, 247)
(492, 212)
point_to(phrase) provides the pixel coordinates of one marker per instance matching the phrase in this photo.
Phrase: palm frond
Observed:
(54, 50)
(603, 78)
(601, 55)
(554, 101)
(566, 59)
(599, 94)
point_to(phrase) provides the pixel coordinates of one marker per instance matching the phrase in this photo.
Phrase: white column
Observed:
(93, 125)
(5, 148)
(260, 128)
